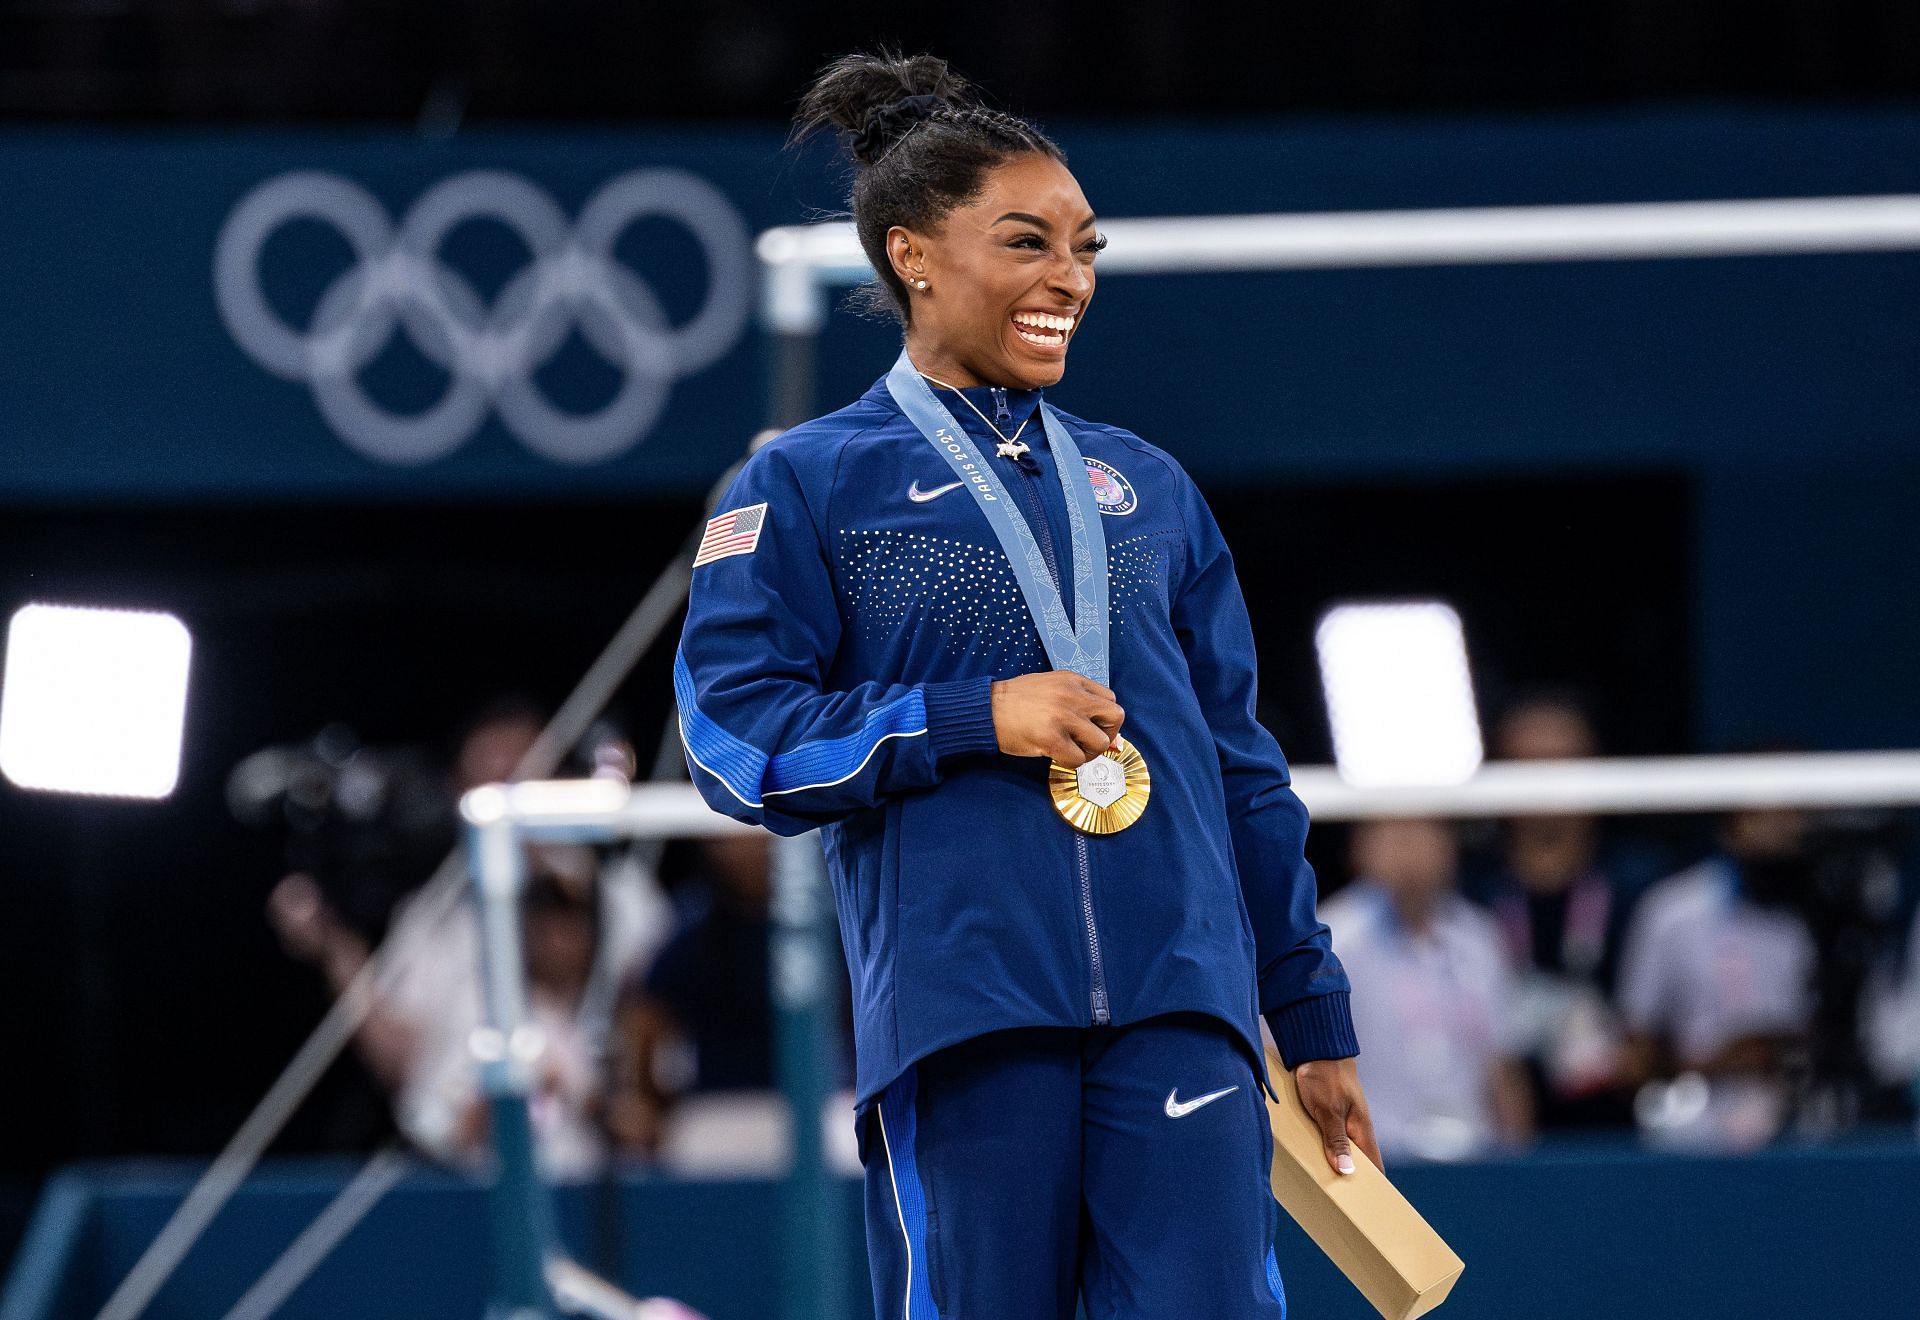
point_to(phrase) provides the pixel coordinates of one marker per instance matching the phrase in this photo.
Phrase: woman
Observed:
(915, 624)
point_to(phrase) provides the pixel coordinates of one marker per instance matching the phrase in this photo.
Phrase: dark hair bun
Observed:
(877, 99)
(923, 142)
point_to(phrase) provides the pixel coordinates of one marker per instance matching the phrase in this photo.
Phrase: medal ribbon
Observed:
(1080, 643)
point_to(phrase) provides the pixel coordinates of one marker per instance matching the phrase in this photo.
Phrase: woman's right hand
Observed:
(1057, 714)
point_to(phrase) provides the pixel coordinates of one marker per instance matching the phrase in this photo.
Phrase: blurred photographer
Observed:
(365, 829)
(1744, 977)
(1717, 984)
(586, 927)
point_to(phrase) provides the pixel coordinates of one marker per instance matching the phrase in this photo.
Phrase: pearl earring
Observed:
(919, 284)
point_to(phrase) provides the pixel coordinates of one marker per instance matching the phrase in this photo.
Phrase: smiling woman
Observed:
(1059, 956)
(997, 293)
(982, 239)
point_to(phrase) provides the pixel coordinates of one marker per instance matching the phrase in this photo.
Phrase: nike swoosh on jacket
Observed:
(919, 496)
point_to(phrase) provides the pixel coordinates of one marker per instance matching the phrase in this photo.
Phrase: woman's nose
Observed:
(1072, 278)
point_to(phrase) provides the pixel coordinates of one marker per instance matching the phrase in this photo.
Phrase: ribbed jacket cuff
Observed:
(960, 717)
(1316, 1028)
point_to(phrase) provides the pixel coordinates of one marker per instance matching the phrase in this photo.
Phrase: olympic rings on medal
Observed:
(492, 352)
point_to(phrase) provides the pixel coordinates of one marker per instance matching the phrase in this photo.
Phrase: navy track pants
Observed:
(1011, 1175)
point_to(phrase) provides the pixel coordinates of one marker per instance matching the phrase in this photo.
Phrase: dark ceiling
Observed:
(448, 62)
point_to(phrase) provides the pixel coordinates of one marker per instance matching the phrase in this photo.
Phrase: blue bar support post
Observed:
(815, 1236)
(507, 1047)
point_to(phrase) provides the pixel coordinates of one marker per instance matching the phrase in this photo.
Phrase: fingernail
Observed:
(1344, 1163)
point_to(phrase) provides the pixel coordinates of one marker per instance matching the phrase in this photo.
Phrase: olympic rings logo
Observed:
(491, 352)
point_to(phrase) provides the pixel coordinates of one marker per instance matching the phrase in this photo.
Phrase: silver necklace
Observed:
(1011, 446)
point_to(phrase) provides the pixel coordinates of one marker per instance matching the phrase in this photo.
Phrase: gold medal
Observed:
(1106, 794)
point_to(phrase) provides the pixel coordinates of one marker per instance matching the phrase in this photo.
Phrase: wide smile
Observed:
(1043, 329)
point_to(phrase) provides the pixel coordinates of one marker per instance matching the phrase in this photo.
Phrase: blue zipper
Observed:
(1029, 476)
(1102, 1011)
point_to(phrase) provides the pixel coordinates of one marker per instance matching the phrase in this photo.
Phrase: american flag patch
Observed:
(734, 533)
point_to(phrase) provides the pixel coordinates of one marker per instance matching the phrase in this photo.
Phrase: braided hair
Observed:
(922, 143)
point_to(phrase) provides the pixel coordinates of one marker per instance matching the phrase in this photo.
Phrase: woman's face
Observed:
(1009, 276)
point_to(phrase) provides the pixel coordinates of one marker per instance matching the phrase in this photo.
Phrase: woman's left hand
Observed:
(1330, 1090)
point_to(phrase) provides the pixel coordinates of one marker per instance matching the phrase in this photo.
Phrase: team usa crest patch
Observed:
(1111, 491)
(736, 532)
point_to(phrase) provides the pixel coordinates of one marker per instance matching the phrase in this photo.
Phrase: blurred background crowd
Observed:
(1706, 985)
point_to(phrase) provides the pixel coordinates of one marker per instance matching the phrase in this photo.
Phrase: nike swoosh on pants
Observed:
(1181, 1108)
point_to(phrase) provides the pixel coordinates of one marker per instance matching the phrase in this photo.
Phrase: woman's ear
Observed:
(907, 255)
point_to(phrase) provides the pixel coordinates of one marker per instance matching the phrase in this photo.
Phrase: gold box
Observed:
(1360, 1220)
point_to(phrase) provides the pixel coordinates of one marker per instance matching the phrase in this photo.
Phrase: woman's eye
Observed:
(1035, 243)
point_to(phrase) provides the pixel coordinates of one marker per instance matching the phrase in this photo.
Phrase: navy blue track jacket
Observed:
(851, 608)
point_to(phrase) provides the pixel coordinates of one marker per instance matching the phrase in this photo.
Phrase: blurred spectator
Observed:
(700, 1018)
(1562, 892)
(1432, 994)
(585, 927)
(1893, 1022)
(437, 995)
(318, 928)
(1716, 986)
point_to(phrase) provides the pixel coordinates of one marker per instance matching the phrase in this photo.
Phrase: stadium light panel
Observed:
(1399, 693)
(94, 701)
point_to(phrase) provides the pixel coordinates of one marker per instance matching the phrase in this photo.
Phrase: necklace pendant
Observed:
(1011, 448)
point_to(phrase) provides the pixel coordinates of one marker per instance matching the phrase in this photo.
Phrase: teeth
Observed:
(1044, 321)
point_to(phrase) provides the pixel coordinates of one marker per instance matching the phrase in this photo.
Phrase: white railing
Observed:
(604, 810)
(801, 262)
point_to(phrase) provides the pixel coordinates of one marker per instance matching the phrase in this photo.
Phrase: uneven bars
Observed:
(1630, 786)
(558, 809)
(801, 260)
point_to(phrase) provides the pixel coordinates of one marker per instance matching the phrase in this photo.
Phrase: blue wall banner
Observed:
(1582, 1233)
(288, 316)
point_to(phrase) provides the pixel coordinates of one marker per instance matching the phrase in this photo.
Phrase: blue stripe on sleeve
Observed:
(716, 751)
(745, 769)
(830, 760)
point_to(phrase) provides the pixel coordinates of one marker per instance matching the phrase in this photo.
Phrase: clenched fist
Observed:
(1058, 714)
